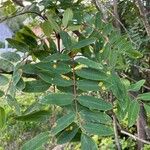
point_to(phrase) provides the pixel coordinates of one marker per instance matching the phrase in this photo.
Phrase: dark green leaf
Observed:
(67, 135)
(12, 102)
(94, 103)
(36, 86)
(83, 43)
(20, 46)
(11, 56)
(133, 112)
(91, 74)
(97, 129)
(6, 65)
(60, 99)
(66, 39)
(56, 56)
(87, 85)
(62, 123)
(3, 80)
(87, 143)
(1, 93)
(89, 63)
(35, 116)
(36, 142)
(95, 117)
(2, 117)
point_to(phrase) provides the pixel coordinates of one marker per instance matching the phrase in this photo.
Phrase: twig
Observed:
(23, 13)
(134, 137)
(118, 145)
(131, 79)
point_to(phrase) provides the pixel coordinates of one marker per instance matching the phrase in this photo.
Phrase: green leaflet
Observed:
(58, 68)
(2, 117)
(87, 143)
(60, 99)
(16, 76)
(88, 85)
(36, 142)
(92, 74)
(47, 29)
(53, 23)
(67, 16)
(56, 56)
(11, 56)
(144, 96)
(133, 112)
(36, 86)
(20, 46)
(67, 135)
(34, 116)
(3, 80)
(6, 65)
(89, 63)
(66, 39)
(136, 86)
(62, 123)
(97, 129)
(12, 102)
(83, 43)
(1, 93)
(94, 103)
(134, 53)
(95, 117)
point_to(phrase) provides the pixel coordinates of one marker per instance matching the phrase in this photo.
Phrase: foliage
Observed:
(80, 75)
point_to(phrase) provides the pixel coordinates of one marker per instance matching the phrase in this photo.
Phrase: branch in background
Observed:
(134, 137)
(143, 14)
(100, 7)
(117, 24)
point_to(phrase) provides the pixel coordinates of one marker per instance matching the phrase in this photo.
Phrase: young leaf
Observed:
(47, 29)
(89, 63)
(91, 74)
(62, 123)
(3, 80)
(97, 129)
(94, 103)
(136, 86)
(60, 99)
(144, 96)
(34, 116)
(2, 117)
(53, 23)
(36, 86)
(133, 112)
(83, 43)
(67, 16)
(36, 142)
(87, 143)
(67, 135)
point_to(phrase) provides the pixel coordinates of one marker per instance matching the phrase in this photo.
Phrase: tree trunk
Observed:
(143, 13)
(141, 125)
